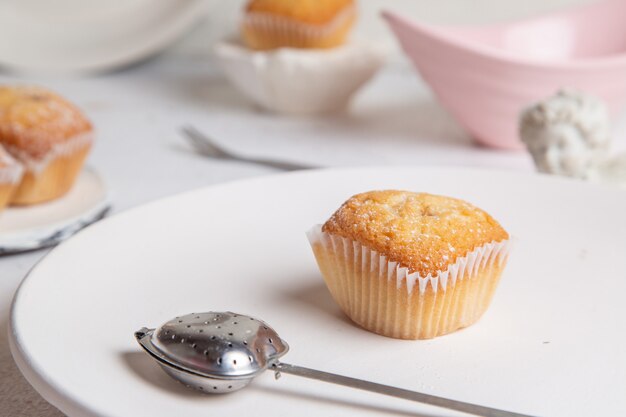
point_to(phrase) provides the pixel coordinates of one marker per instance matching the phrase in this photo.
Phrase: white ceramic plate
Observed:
(89, 35)
(43, 225)
(551, 344)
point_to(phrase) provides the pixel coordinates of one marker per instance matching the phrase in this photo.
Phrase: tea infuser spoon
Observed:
(221, 352)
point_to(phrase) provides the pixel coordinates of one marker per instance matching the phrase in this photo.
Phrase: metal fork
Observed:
(204, 145)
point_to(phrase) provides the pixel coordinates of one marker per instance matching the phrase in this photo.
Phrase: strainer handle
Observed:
(393, 391)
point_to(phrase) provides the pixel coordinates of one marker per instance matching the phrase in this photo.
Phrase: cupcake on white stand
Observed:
(294, 57)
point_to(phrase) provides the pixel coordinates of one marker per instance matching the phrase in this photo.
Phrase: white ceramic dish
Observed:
(300, 81)
(551, 343)
(43, 225)
(87, 36)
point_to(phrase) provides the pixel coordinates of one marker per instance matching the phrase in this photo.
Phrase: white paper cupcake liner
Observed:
(382, 296)
(465, 267)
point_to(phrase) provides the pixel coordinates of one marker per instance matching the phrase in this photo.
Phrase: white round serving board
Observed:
(89, 35)
(551, 344)
(42, 225)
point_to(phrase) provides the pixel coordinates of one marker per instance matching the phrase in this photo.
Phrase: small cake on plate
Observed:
(270, 24)
(10, 175)
(410, 265)
(294, 57)
(48, 136)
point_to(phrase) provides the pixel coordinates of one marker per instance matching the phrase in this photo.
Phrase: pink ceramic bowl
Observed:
(486, 75)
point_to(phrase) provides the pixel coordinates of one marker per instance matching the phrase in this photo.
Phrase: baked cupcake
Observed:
(48, 136)
(269, 24)
(410, 265)
(10, 176)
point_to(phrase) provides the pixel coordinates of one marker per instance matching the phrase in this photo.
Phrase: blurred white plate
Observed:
(43, 225)
(551, 344)
(89, 35)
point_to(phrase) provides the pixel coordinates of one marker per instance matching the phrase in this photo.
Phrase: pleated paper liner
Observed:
(381, 296)
(267, 31)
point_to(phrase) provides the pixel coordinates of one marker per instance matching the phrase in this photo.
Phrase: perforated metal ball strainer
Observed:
(221, 352)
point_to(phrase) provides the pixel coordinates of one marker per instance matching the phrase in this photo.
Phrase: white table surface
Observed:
(141, 155)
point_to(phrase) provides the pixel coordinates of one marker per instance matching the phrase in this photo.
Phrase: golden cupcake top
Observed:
(313, 12)
(423, 232)
(33, 120)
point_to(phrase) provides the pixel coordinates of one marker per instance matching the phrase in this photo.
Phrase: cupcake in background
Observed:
(10, 176)
(48, 136)
(295, 57)
(270, 24)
